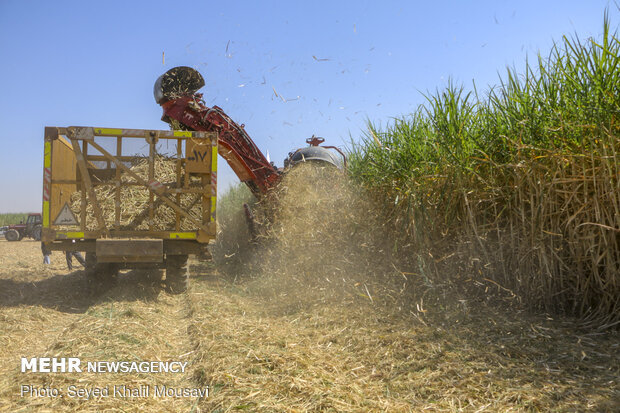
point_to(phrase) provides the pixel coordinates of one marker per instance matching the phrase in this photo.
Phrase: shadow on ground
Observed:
(73, 293)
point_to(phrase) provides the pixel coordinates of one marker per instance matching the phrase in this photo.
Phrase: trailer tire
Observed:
(12, 235)
(101, 276)
(176, 274)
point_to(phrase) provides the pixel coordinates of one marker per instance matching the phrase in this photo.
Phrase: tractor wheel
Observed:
(176, 273)
(12, 235)
(101, 276)
(36, 233)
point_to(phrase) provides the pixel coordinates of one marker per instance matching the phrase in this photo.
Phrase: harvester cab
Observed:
(316, 153)
(177, 93)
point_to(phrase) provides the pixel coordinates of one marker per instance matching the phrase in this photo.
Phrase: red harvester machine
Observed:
(184, 108)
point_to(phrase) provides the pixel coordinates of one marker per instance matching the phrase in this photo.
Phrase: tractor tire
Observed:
(101, 276)
(176, 274)
(36, 233)
(12, 235)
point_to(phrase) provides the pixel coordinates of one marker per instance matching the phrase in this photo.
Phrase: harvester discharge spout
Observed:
(176, 83)
(177, 93)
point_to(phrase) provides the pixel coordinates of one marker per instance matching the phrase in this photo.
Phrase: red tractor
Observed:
(31, 229)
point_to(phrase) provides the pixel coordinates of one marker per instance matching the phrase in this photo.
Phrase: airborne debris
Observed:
(320, 60)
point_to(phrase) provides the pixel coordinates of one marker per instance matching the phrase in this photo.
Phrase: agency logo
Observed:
(51, 365)
(75, 365)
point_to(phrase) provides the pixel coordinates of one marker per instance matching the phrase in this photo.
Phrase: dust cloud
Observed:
(320, 239)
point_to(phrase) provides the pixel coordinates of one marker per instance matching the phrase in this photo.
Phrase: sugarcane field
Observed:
(330, 207)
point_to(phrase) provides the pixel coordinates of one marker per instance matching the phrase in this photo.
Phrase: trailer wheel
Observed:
(101, 276)
(176, 273)
(11, 235)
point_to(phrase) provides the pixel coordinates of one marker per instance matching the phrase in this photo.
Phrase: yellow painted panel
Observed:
(182, 133)
(47, 155)
(214, 159)
(64, 167)
(70, 234)
(109, 131)
(183, 235)
(46, 214)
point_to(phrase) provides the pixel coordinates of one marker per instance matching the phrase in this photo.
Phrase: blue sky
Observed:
(337, 63)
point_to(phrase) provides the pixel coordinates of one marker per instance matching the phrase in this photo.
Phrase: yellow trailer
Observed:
(130, 197)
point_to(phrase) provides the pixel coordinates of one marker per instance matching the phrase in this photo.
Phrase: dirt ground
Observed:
(259, 353)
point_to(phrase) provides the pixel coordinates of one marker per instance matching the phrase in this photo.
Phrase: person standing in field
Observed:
(70, 254)
(46, 253)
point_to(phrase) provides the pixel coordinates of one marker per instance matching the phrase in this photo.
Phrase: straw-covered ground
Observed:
(316, 315)
(320, 315)
(356, 357)
(48, 311)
